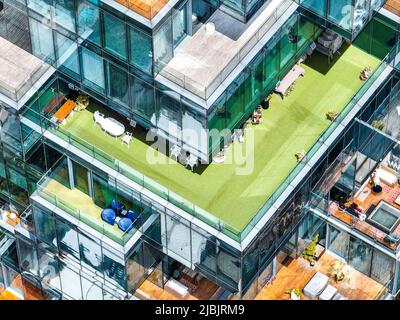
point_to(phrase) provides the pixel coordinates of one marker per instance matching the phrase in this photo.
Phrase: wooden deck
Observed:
(299, 272)
(146, 8)
(393, 6)
(389, 194)
(30, 292)
(150, 291)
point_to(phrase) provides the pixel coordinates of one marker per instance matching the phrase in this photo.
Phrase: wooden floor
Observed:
(146, 8)
(299, 272)
(389, 194)
(393, 6)
(7, 295)
(205, 291)
(30, 292)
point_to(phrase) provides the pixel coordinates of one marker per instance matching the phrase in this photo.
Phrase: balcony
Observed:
(19, 70)
(146, 8)
(55, 188)
(298, 273)
(393, 6)
(215, 193)
(203, 62)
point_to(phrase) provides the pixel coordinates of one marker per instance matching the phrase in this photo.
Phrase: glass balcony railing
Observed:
(51, 189)
(180, 201)
(205, 90)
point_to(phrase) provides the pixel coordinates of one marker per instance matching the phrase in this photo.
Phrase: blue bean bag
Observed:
(125, 224)
(117, 206)
(133, 215)
(108, 215)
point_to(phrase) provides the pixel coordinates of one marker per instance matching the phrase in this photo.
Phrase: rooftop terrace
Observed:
(202, 72)
(393, 6)
(19, 70)
(288, 126)
(146, 8)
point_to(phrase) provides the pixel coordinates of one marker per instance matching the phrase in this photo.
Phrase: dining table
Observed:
(112, 127)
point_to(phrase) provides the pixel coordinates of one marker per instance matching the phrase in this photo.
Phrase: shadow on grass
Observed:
(140, 133)
(320, 62)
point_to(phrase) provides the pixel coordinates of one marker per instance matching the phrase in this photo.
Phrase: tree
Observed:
(311, 251)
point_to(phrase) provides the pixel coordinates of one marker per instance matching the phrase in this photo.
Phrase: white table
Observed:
(289, 79)
(113, 127)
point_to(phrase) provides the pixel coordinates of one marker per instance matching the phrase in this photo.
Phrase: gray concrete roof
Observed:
(19, 70)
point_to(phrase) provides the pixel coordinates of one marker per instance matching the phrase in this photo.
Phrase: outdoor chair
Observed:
(175, 151)
(191, 161)
(98, 117)
(127, 138)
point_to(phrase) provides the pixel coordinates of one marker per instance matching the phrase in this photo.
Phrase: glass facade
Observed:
(347, 17)
(111, 57)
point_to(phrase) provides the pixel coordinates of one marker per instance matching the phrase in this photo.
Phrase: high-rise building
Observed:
(203, 149)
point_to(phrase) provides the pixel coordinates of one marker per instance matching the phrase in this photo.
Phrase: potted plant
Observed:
(339, 271)
(265, 102)
(300, 155)
(82, 101)
(365, 73)
(295, 294)
(378, 124)
(332, 115)
(310, 253)
(374, 182)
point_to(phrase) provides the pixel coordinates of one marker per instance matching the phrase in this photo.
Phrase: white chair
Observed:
(316, 286)
(98, 117)
(191, 161)
(127, 138)
(175, 151)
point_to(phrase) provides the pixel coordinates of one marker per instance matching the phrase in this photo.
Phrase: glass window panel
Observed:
(67, 54)
(67, 239)
(49, 270)
(88, 18)
(63, 14)
(382, 269)
(91, 290)
(178, 237)
(163, 46)
(141, 50)
(93, 72)
(40, 6)
(118, 87)
(339, 242)
(44, 226)
(103, 192)
(179, 25)
(360, 255)
(90, 252)
(142, 96)
(81, 179)
(114, 268)
(340, 12)
(28, 257)
(42, 41)
(70, 282)
(317, 6)
(169, 116)
(134, 269)
(115, 37)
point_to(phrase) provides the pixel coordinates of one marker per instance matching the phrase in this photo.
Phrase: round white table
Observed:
(113, 127)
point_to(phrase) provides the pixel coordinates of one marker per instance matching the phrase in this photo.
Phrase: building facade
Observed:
(182, 76)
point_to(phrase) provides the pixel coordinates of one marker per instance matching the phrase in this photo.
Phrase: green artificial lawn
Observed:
(288, 126)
